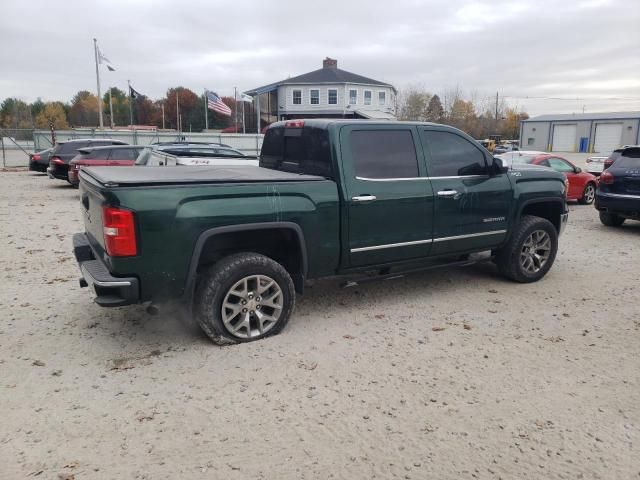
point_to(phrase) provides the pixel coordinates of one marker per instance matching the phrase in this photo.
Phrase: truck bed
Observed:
(191, 174)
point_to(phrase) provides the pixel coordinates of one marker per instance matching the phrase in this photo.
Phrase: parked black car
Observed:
(39, 161)
(64, 152)
(618, 195)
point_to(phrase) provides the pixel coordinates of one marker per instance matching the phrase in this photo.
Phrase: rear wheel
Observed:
(242, 298)
(588, 194)
(611, 219)
(530, 252)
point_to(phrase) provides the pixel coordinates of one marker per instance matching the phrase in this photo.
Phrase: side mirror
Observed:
(497, 167)
(578, 170)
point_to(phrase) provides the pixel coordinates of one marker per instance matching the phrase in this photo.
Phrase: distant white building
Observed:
(580, 132)
(328, 92)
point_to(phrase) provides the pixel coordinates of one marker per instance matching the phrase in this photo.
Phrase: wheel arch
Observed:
(550, 208)
(206, 243)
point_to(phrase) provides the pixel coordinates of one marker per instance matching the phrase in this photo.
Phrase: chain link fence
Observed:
(17, 144)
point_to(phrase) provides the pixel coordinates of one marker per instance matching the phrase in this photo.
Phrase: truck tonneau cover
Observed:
(191, 174)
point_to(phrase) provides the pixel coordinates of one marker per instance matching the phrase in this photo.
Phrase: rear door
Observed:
(389, 199)
(472, 206)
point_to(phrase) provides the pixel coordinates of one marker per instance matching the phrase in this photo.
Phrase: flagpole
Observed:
(111, 108)
(95, 52)
(206, 111)
(235, 108)
(130, 105)
(243, 129)
(177, 110)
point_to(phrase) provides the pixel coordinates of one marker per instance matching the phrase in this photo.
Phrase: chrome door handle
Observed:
(363, 198)
(447, 193)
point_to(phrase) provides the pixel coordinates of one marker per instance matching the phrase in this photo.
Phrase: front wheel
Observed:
(588, 194)
(611, 219)
(242, 298)
(530, 252)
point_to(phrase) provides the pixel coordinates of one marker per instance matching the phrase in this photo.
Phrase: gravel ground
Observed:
(448, 374)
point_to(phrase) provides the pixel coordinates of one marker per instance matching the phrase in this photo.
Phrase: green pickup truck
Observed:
(329, 197)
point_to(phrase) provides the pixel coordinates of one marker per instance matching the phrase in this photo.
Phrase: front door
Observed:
(472, 206)
(388, 195)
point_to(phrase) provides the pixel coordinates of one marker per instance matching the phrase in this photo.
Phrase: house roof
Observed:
(585, 116)
(322, 75)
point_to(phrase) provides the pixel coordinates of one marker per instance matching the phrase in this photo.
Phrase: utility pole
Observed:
(206, 111)
(496, 108)
(235, 107)
(163, 115)
(95, 52)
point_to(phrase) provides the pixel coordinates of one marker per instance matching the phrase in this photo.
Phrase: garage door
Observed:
(608, 137)
(564, 138)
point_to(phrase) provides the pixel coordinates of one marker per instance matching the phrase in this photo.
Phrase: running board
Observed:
(400, 274)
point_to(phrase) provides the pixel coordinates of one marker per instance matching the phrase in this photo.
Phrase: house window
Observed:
(297, 97)
(333, 96)
(353, 97)
(367, 97)
(314, 97)
(382, 98)
(531, 141)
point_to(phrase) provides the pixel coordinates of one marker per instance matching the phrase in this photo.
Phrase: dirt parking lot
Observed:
(445, 375)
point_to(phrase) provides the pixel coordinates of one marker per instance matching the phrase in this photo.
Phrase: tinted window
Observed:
(299, 150)
(98, 155)
(630, 158)
(454, 156)
(384, 154)
(70, 147)
(124, 154)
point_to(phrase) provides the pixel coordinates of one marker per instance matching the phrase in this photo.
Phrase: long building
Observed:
(580, 132)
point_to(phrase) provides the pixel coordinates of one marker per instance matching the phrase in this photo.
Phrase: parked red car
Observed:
(582, 185)
(113, 155)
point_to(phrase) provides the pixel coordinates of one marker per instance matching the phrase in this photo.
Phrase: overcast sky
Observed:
(587, 51)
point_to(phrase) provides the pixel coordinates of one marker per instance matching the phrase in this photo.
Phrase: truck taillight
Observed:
(119, 232)
(294, 124)
(607, 178)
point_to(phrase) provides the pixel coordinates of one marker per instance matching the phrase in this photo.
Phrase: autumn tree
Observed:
(189, 108)
(52, 112)
(84, 110)
(120, 103)
(15, 113)
(435, 112)
(413, 103)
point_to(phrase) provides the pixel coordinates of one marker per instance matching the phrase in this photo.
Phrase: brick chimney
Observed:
(329, 63)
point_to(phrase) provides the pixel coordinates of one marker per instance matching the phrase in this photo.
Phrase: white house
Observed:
(328, 92)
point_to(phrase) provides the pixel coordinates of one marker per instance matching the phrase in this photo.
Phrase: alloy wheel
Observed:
(535, 251)
(252, 306)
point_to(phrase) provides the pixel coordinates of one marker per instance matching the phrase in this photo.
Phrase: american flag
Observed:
(215, 103)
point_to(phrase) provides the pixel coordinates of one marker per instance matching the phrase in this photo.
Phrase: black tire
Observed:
(216, 282)
(509, 258)
(588, 194)
(611, 219)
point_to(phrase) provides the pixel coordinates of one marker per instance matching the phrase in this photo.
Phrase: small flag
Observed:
(215, 103)
(245, 98)
(102, 60)
(133, 94)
